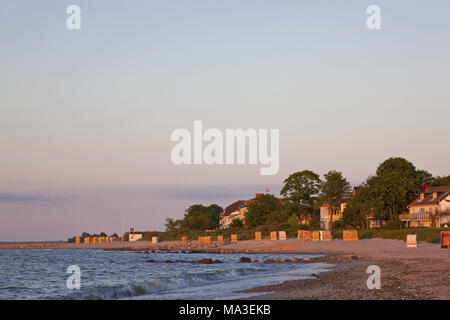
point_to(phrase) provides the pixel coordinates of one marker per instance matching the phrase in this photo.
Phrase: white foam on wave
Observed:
(218, 284)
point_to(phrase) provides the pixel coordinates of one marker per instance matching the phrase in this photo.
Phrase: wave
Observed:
(152, 286)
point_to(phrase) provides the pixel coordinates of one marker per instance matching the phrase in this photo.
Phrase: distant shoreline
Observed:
(30, 245)
(31, 242)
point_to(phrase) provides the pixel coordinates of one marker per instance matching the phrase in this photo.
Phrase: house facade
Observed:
(134, 236)
(234, 211)
(327, 217)
(430, 209)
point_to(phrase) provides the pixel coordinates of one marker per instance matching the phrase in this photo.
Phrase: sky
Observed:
(86, 115)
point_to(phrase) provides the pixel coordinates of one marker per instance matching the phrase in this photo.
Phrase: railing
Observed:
(415, 216)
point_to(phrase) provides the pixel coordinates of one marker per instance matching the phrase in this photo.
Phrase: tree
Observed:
(360, 207)
(196, 221)
(396, 165)
(441, 181)
(300, 193)
(263, 210)
(293, 221)
(423, 177)
(280, 216)
(199, 217)
(215, 210)
(314, 222)
(333, 191)
(394, 186)
(172, 225)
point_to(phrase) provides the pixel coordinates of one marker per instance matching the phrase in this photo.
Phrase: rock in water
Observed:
(206, 261)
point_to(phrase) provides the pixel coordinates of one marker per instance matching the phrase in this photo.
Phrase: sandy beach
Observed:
(406, 273)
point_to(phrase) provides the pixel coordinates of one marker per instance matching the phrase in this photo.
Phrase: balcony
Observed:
(415, 216)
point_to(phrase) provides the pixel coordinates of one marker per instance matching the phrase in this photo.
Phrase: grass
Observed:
(430, 235)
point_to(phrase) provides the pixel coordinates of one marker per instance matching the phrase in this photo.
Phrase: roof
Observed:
(442, 193)
(236, 205)
(355, 189)
(233, 207)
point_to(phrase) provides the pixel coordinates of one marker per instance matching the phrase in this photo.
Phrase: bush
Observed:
(237, 224)
(394, 225)
(339, 224)
(314, 222)
(426, 235)
(293, 221)
(336, 234)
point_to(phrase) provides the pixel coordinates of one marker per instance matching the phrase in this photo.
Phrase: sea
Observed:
(47, 274)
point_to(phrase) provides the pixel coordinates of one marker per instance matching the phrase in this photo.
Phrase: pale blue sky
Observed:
(86, 116)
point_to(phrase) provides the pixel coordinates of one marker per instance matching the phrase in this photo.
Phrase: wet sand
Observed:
(406, 273)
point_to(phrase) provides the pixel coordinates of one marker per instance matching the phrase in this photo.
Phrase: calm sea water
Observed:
(41, 274)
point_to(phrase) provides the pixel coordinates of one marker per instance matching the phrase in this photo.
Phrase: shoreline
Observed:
(406, 273)
(424, 280)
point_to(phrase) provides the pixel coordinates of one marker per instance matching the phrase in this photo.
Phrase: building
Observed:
(431, 208)
(336, 214)
(134, 236)
(326, 218)
(234, 211)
